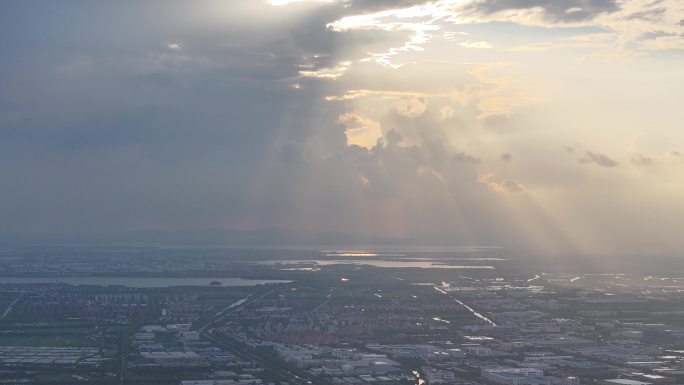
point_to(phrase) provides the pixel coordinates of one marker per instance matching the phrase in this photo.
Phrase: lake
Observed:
(387, 263)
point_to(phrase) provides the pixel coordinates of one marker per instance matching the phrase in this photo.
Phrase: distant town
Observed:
(147, 315)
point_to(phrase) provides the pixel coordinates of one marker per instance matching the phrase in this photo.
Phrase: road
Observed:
(470, 309)
(273, 364)
(123, 349)
(276, 366)
(9, 308)
(231, 306)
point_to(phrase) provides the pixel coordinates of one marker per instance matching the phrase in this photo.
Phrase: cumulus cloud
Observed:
(413, 107)
(507, 185)
(446, 113)
(360, 130)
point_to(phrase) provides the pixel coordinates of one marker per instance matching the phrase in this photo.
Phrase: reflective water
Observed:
(390, 263)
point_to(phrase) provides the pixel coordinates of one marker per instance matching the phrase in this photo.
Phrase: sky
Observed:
(543, 126)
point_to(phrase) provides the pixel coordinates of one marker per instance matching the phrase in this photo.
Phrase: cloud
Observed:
(326, 72)
(641, 159)
(665, 42)
(412, 108)
(552, 10)
(446, 113)
(507, 185)
(360, 130)
(476, 44)
(599, 159)
(463, 157)
(628, 21)
(654, 15)
(288, 2)
(347, 116)
(593, 41)
(512, 185)
(427, 171)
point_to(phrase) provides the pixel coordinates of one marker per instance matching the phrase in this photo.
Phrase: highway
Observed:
(9, 308)
(273, 364)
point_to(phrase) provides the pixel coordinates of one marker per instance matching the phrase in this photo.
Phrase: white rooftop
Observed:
(625, 381)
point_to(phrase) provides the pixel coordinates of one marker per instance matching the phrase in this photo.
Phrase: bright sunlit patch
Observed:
(360, 130)
(503, 186)
(478, 338)
(173, 46)
(393, 19)
(500, 94)
(592, 41)
(356, 94)
(352, 254)
(476, 44)
(430, 172)
(328, 72)
(421, 21)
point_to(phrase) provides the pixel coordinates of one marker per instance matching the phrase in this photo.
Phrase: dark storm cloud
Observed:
(554, 10)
